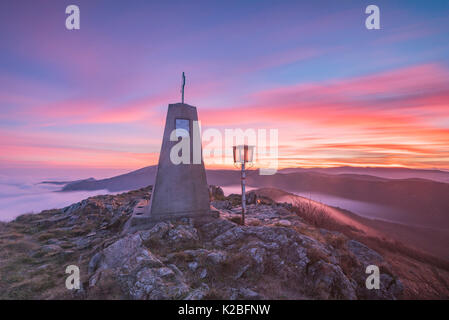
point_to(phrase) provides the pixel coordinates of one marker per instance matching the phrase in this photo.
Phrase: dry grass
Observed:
(315, 215)
(337, 240)
(106, 288)
(396, 247)
(316, 255)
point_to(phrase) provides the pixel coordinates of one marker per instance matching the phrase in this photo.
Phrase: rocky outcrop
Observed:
(275, 256)
(177, 260)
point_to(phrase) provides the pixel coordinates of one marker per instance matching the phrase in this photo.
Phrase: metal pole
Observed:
(183, 85)
(243, 193)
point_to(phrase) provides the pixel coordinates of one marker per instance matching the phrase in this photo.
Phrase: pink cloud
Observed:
(384, 118)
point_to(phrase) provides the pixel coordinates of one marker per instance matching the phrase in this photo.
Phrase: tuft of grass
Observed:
(316, 255)
(107, 287)
(337, 240)
(315, 215)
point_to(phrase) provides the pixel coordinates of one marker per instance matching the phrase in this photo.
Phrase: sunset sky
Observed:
(339, 94)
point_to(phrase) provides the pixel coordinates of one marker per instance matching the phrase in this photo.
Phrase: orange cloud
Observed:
(389, 118)
(76, 157)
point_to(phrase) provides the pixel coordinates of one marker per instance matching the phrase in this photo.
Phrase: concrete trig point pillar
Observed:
(180, 190)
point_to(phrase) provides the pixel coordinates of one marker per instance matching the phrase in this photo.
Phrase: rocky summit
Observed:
(276, 255)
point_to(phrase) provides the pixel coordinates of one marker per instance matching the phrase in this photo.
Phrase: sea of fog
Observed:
(25, 193)
(237, 189)
(22, 192)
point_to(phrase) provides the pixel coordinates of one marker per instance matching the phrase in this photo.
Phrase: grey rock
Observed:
(222, 204)
(230, 236)
(157, 232)
(216, 193)
(249, 294)
(329, 282)
(364, 254)
(165, 272)
(157, 284)
(216, 227)
(127, 255)
(119, 252)
(193, 265)
(42, 267)
(258, 255)
(216, 257)
(199, 293)
(51, 248)
(181, 237)
(284, 223)
(203, 274)
(94, 262)
(196, 253)
(175, 270)
(251, 197)
(242, 271)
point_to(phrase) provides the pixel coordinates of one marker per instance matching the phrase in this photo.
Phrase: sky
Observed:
(338, 93)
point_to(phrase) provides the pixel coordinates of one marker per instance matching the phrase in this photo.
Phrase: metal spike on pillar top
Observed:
(183, 85)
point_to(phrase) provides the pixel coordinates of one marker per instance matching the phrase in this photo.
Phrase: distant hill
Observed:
(61, 183)
(388, 173)
(145, 176)
(128, 181)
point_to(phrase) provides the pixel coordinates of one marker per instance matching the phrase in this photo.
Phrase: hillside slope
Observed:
(388, 173)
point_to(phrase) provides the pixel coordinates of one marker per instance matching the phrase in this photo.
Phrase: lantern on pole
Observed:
(243, 156)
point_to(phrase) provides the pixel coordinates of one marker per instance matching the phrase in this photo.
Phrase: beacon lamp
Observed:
(243, 157)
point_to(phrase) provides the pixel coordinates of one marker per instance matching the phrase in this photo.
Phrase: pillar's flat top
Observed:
(181, 105)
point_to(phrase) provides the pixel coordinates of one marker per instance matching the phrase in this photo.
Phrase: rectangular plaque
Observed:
(182, 127)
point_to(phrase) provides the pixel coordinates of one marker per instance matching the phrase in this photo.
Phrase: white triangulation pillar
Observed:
(180, 190)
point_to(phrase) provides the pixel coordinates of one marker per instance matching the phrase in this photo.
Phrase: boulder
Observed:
(251, 197)
(216, 257)
(182, 237)
(390, 286)
(248, 294)
(222, 204)
(284, 223)
(327, 281)
(216, 193)
(157, 284)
